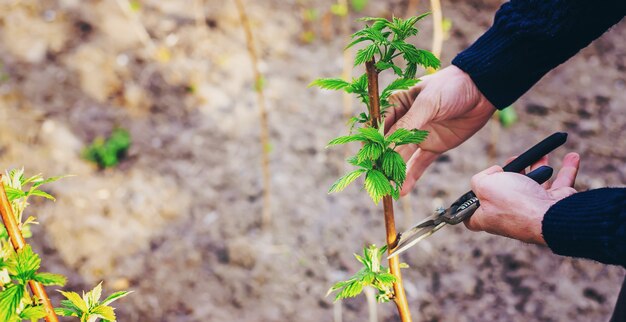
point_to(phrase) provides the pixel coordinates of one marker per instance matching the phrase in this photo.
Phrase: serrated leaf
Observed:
(115, 296)
(33, 313)
(398, 84)
(410, 71)
(49, 180)
(25, 264)
(65, 311)
(397, 136)
(14, 194)
(104, 312)
(369, 151)
(93, 297)
(377, 185)
(10, 298)
(346, 139)
(394, 167)
(365, 54)
(50, 279)
(372, 134)
(386, 278)
(416, 137)
(41, 193)
(346, 180)
(356, 41)
(330, 83)
(76, 300)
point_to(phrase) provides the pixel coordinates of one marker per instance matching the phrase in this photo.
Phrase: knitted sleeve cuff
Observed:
(498, 63)
(589, 224)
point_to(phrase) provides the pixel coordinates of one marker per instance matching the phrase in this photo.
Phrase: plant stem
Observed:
(390, 224)
(264, 137)
(12, 227)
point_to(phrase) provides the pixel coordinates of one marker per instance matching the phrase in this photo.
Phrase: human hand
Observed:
(513, 205)
(448, 105)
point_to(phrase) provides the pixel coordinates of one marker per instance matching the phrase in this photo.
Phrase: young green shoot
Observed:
(384, 46)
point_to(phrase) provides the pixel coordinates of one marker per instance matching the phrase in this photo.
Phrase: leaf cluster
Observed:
(16, 270)
(383, 167)
(108, 152)
(18, 189)
(385, 40)
(89, 307)
(372, 274)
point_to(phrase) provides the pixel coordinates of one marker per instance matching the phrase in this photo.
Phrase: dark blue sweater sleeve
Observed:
(531, 37)
(590, 224)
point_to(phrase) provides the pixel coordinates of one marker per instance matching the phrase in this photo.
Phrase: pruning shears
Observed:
(465, 206)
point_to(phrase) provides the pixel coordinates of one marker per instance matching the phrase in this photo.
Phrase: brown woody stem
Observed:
(265, 136)
(12, 227)
(390, 224)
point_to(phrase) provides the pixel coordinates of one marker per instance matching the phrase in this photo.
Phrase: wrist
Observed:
(538, 210)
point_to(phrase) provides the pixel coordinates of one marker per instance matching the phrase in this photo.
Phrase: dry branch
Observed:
(264, 137)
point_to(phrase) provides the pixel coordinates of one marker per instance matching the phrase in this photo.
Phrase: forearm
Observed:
(589, 224)
(531, 37)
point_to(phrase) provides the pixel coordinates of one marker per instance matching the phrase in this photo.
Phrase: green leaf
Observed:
(115, 296)
(25, 264)
(397, 136)
(365, 54)
(50, 279)
(33, 313)
(410, 71)
(65, 311)
(398, 84)
(76, 301)
(49, 180)
(40, 193)
(346, 139)
(10, 298)
(356, 41)
(386, 278)
(330, 83)
(416, 137)
(394, 167)
(372, 134)
(104, 312)
(344, 181)
(369, 151)
(377, 185)
(14, 194)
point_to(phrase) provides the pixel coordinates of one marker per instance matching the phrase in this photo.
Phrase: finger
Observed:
(401, 102)
(473, 222)
(477, 178)
(415, 168)
(422, 110)
(567, 175)
(543, 161)
(562, 192)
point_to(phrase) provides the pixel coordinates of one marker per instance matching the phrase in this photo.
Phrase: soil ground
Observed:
(178, 221)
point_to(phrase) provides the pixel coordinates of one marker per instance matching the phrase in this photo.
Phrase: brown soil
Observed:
(178, 221)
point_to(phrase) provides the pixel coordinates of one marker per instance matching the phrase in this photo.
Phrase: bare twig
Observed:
(390, 225)
(18, 242)
(264, 137)
(435, 7)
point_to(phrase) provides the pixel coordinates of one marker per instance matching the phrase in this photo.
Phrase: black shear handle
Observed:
(535, 153)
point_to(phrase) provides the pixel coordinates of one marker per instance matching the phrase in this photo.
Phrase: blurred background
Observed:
(178, 219)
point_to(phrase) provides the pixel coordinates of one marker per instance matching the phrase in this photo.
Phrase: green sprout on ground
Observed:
(384, 169)
(19, 268)
(108, 152)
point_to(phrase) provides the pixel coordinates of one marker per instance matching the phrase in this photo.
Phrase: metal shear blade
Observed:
(420, 231)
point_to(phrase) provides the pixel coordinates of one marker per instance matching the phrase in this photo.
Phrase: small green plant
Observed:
(89, 307)
(373, 274)
(383, 167)
(108, 152)
(19, 268)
